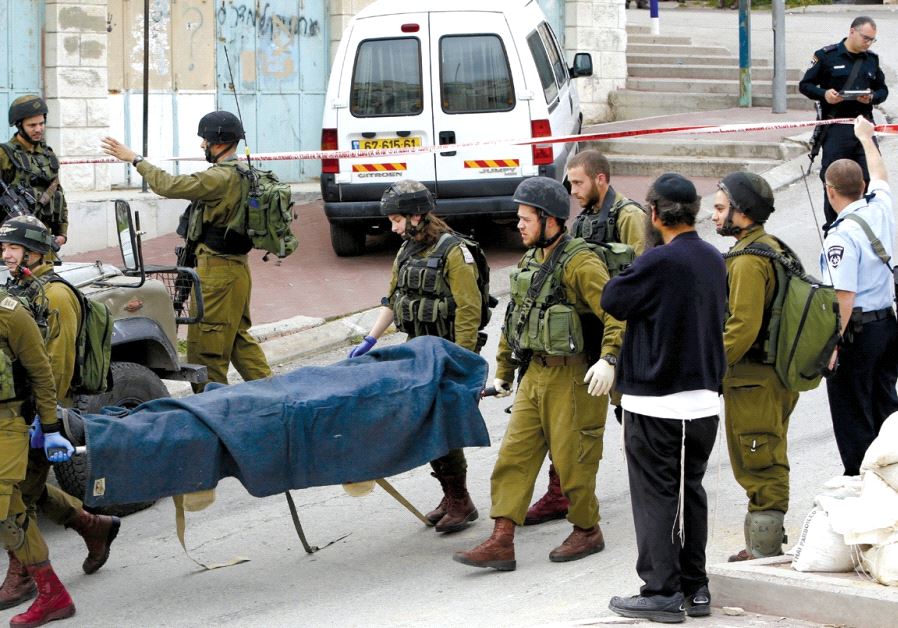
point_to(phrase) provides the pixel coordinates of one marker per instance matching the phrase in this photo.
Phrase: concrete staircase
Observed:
(668, 75)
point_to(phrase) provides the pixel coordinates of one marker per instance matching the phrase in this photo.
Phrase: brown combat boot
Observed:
(439, 512)
(579, 544)
(496, 552)
(460, 510)
(98, 532)
(18, 586)
(53, 601)
(553, 505)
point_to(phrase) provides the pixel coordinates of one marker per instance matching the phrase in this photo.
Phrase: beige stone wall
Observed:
(75, 80)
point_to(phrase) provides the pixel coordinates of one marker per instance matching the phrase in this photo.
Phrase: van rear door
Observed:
(479, 93)
(386, 104)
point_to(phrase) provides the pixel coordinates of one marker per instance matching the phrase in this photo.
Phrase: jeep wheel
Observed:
(132, 385)
(347, 241)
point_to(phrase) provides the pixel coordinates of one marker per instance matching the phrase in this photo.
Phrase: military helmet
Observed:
(749, 193)
(25, 107)
(545, 194)
(27, 231)
(407, 197)
(221, 127)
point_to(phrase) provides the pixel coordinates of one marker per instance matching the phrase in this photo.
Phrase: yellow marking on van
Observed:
(379, 167)
(492, 163)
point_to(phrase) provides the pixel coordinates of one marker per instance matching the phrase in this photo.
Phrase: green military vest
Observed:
(12, 375)
(601, 227)
(36, 171)
(422, 302)
(545, 322)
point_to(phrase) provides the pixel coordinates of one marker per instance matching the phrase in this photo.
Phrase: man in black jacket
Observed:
(673, 299)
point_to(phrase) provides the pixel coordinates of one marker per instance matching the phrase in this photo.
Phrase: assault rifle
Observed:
(186, 255)
(819, 133)
(16, 201)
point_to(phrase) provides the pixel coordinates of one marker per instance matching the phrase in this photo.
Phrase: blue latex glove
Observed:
(37, 434)
(57, 447)
(363, 347)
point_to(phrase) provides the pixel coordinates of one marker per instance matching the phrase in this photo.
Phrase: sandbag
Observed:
(819, 547)
(888, 474)
(870, 519)
(881, 562)
(883, 451)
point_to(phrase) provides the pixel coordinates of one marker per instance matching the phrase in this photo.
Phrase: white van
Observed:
(420, 73)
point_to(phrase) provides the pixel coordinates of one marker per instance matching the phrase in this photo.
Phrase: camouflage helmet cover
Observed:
(407, 197)
(545, 194)
(28, 232)
(26, 107)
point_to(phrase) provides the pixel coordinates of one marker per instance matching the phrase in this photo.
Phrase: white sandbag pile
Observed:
(854, 523)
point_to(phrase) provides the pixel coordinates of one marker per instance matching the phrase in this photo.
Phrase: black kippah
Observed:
(675, 188)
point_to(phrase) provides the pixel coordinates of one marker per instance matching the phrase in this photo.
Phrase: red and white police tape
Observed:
(882, 129)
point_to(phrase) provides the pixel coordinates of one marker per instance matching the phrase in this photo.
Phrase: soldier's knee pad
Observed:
(12, 535)
(765, 533)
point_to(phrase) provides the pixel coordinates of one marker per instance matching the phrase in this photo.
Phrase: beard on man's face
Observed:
(652, 235)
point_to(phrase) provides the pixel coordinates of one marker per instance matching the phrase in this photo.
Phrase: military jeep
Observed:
(147, 304)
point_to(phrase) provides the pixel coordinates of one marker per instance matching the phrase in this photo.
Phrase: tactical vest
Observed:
(601, 227)
(422, 303)
(547, 322)
(229, 239)
(36, 171)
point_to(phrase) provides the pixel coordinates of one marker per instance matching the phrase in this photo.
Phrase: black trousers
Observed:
(862, 392)
(653, 449)
(840, 143)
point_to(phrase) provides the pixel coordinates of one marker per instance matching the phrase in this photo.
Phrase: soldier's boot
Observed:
(18, 586)
(581, 543)
(460, 510)
(439, 512)
(53, 601)
(98, 532)
(764, 535)
(497, 552)
(553, 505)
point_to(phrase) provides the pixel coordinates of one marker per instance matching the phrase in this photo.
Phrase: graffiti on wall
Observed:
(264, 21)
(160, 23)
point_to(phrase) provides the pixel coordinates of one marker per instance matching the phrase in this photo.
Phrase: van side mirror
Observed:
(582, 65)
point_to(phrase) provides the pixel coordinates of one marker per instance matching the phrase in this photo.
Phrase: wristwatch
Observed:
(610, 359)
(137, 159)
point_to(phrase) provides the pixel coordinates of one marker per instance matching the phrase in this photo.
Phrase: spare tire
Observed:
(132, 384)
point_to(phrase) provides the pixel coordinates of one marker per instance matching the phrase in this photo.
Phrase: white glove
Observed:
(503, 388)
(600, 378)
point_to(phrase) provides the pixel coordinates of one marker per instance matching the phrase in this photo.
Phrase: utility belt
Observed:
(859, 318)
(551, 361)
(225, 241)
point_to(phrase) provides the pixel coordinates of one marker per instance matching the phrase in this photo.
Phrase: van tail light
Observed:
(542, 153)
(329, 142)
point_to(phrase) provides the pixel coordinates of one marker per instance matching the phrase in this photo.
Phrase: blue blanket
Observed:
(384, 413)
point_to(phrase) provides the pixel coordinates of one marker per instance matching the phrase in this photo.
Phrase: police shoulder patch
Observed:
(9, 303)
(814, 60)
(469, 258)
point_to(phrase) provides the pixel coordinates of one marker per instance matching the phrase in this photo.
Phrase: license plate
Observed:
(387, 142)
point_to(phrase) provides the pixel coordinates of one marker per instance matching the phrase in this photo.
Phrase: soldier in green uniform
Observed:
(434, 272)
(26, 379)
(217, 195)
(26, 241)
(757, 404)
(606, 216)
(26, 160)
(554, 329)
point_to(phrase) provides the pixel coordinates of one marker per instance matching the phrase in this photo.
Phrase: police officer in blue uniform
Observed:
(862, 391)
(836, 70)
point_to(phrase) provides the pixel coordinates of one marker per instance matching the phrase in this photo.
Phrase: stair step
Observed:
(659, 39)
(701, 148)
(712, 86)
(631, 104)
(696, 59)
(636, 28)
(674, 50)
(622, 165)
(704, 72)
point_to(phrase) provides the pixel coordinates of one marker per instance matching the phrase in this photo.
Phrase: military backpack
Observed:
(266, 216)
(802, 327)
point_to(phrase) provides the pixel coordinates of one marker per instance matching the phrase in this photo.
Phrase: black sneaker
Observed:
(665, 609)
(699, 603)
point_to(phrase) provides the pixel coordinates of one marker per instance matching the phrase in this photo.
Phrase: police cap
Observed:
(545, 194)
(28, 232)
(749, 193)
(406, 197)
(26, 107)
(221, 127)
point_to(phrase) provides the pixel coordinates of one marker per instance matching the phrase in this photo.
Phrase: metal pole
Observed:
(744, 53)
(656, 19)
(146, 81)
(779, 56)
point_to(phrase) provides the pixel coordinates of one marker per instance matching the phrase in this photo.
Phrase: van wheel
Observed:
(132, 385)
(347, 241)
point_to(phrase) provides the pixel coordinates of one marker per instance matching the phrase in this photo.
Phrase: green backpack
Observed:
(616, 255)
(93, 351)
(803, 328)
(268, 212)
